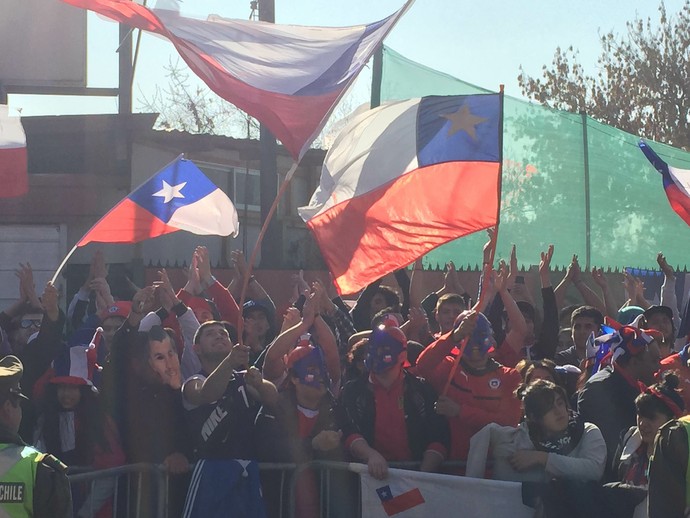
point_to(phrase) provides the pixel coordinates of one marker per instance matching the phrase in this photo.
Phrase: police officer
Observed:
(31, 483)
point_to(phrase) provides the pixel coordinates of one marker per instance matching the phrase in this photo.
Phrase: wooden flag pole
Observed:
(257, 246)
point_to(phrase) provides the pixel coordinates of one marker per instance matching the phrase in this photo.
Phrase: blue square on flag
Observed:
(176, 186)
(384, 493)
(458, 128)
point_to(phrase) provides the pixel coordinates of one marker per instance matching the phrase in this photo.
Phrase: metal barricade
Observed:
(128, 495)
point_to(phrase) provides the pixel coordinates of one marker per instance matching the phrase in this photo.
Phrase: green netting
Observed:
(553, 161)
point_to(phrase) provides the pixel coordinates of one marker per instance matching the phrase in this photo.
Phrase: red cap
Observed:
(120, 308)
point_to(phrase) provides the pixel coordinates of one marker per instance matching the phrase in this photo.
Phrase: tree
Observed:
(195, 109)
(643, 83)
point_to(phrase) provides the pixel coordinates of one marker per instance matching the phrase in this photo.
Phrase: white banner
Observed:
(412, 494)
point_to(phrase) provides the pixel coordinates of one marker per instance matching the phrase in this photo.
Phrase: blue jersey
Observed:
(225, 429)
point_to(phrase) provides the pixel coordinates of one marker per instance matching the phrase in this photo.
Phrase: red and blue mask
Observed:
(384, 348)
(482, 336)
(307, 364)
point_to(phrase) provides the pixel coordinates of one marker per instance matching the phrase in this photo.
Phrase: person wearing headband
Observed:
(388, 415)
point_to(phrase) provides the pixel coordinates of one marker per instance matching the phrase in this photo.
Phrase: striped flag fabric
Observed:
(178, 197)
(676, 182)
(14, 180)
(289, 77)
(403, 179)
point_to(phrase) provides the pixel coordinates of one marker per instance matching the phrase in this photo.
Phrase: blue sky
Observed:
(481, 42)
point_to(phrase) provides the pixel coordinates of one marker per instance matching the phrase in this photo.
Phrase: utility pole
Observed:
(272, 244)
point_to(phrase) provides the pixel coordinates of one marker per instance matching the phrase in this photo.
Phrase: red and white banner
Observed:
(412, 494)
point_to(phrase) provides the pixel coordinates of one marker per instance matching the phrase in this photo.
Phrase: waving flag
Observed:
(676, 182)
(13, 170)
(404, 178)
(178, 197)
(289, 77)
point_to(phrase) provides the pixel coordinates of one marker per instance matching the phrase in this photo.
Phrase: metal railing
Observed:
(125, 486)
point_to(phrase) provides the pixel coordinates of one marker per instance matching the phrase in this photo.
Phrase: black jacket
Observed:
(608, 401)
(356, 413)
(667, 472)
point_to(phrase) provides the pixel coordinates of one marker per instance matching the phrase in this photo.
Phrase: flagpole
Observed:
(257, 245)
(62, 265)
(494, 240)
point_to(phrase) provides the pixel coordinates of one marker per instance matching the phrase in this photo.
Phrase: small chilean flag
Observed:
(397, 503)
(676, 182)
(178, 197)
(13, 170)
(403, 179)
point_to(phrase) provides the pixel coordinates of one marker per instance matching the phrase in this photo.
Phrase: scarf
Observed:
(567, 441)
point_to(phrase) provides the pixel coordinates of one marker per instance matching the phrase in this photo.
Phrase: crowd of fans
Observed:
(572, 401)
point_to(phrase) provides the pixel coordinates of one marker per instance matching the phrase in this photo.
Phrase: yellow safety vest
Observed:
(18, 466)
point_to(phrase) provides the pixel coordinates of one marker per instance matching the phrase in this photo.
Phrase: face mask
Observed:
(311, 370)
(383, 352)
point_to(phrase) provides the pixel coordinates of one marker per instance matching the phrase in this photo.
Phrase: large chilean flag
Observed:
(404, 178)
(289, 77)
(676, 182)
(178, 197)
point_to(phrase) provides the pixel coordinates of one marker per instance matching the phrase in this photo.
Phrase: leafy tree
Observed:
(643, 83)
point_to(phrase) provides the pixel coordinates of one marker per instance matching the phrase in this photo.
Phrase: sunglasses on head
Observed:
(26, 323)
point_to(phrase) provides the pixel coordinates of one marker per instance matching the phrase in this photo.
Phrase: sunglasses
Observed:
(26, 323)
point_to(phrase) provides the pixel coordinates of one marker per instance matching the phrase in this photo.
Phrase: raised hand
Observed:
(573, 271)
(27, 287)
(489, 246)
(165, 292)
(203, 264)
(50, 301)
(193, 285)
(663, 264)
(600, 278)
(291, 318)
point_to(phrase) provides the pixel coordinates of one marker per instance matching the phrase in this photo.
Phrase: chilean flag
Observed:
(676, 182)
(403, 179)
(402, 501)
(289, 77)
(178, 197)
(13, 169)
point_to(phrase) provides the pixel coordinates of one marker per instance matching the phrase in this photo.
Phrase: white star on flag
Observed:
(168, 192)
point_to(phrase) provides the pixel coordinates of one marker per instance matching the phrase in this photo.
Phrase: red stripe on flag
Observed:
(14, 180)
(679, 201)
(403, 502)
(366, 237)
(127, 222)
(291, 118)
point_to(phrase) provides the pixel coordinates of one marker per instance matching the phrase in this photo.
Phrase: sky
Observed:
(484, 43)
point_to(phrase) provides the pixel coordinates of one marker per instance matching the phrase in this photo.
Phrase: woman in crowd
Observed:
(73, 427)
(552, 447)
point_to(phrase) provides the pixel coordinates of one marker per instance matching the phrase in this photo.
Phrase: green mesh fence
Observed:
(567, 180)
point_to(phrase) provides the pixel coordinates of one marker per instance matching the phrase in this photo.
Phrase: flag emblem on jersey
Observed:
(178, 197)
(394, 504)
